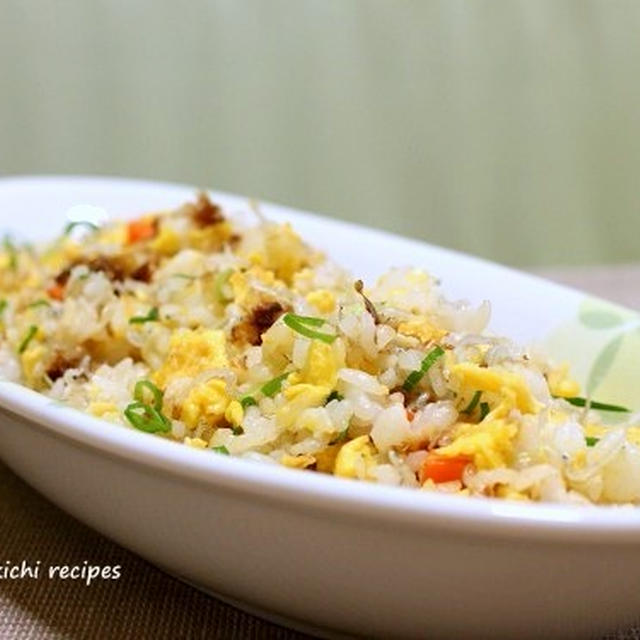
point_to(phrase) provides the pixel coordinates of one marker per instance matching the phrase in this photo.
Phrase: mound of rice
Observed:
(242, 340)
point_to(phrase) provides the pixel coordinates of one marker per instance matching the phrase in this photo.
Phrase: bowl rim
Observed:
(398, 507)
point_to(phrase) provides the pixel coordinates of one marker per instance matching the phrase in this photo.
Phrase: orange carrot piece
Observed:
(442, 469)
(56, 292)
(142, 229)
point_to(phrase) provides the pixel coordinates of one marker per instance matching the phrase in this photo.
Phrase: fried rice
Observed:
(240, 339)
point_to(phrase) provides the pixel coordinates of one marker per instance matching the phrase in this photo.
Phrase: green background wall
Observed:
(507, 129)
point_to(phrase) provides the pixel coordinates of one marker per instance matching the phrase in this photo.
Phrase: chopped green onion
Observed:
(10, 248)
(3, 306)
(582, 402)
(221, 281)
(184, 276)
(80, 223)
(312, 321)
(274, 386)
(473, 404)
(146, 418)
(301, 324)
(237, 431)
(484, 410)
(138, 393)
(39, 303)
(28, 337)
(221, 449)
(334, 395)
(591, 441)
(248, 401)
(415, 376)
(152, 316)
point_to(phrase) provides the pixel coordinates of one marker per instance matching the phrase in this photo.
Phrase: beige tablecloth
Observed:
(146, 603)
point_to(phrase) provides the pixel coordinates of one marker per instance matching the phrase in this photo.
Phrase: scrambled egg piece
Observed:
(190, 353)
(32, 366)
(422, 329)
(239, 285)
(103, 409)
(496, 380)
(209, 401)
(196, 443)
(510, 494)
(561, 383)
(300, 397)
(211, 237)
(321, 366)
(326, 459)
(489, 443)
(116, 235)
(234, 413)
(298, 462)
(285, 253)
(323, 300)
(166, 242)
(355, 458)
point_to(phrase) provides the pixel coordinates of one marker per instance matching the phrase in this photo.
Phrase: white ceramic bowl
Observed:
(329, 555)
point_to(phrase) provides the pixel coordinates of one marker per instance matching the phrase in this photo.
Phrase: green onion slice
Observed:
(484, 410)
(591, 441)
(274, 386)
(3, 306)
(28, 337)
(473, 404)
(302, 324)
(80, 223)
(147, 418)
(39, 303)
(152, 316)
(415, 376)
(248, 401)
(602, 406)
(183, 276)
(220, 284)
(221, 449)
(334, 395)
(138, 393)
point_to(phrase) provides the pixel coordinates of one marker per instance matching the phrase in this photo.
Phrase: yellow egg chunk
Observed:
(561, 384)
(211, 237)
(32, 364)
(238, 282)
(208, 401)
(298, 462)
(234, 413)
(196, 443)
(285, 252)
(190, 353)
(321, 367)
(355, 458)
(323, 300)
(422, 329)
(300, 397)
(115, 235)
(496, 380)
(167, 242)
(489, 443)
(102, 409)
